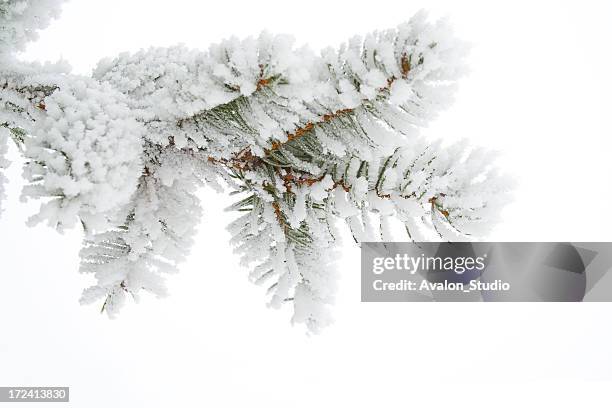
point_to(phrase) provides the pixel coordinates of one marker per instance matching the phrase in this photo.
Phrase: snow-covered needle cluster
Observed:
(303, 139)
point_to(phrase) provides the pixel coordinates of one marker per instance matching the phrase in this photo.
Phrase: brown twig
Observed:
(435, 206)
(301, 131)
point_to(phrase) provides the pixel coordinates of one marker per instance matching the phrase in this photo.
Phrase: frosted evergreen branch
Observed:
(305, 139)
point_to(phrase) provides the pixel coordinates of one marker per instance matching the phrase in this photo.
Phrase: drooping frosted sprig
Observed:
(293, 254)
(154, 232)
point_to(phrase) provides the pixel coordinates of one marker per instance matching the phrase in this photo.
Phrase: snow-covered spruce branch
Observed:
(304, 139)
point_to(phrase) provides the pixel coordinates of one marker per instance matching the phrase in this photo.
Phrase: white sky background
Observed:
(539, 92)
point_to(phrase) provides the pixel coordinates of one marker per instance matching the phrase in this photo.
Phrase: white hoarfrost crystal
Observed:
(20, 20)
(83, 156)
(304, 139)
